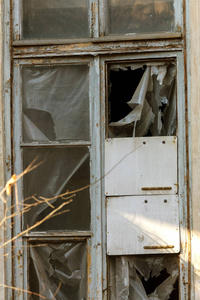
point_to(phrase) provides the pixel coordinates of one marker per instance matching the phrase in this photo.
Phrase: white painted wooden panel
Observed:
(142, 225)
(135, 166)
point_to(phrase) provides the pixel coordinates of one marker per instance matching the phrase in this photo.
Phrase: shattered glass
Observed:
(142, 100)
(139, 16)
(144, 278)
(58, 271)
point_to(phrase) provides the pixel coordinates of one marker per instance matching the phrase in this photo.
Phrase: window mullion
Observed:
(96, 188)
(18, 244)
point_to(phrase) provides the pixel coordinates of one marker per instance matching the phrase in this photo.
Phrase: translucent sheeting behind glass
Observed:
(62, 170)
(144, 278)
(55, 103)
(139, 16)
(58, 263)
(55, 19)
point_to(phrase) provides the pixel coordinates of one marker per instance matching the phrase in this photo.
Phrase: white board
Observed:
(140, 166)
(142, 225)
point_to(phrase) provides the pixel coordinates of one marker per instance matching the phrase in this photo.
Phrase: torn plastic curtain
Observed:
(126, 283)
(55, 103)
(52, 178)
(55, 263)
(146, 102)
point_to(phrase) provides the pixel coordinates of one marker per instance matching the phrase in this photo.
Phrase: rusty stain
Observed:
(97, 125)
(165, 188)
(8, 82)
(183, 267)
(159, 247)
(94, 13)
(98, 245)
(98, 218)
(89, 267)
(19, 254)
(8, 163)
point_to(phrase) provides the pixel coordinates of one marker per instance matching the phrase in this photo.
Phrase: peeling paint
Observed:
(91, 48)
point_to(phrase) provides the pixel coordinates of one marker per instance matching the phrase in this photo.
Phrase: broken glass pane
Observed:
(55, 103)
(55, 19)
(152, 277)
(61, 170)
(142, 100)
(139, 16)
(58, 268)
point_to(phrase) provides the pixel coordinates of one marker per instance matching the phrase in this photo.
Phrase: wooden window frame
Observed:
(102, 50)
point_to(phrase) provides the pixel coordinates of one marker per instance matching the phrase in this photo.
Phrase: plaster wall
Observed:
(194, 102)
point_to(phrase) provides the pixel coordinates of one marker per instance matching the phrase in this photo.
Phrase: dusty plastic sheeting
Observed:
(153, 103)
(129, 277)
(58, 263)
(62, 169)
(55, 103)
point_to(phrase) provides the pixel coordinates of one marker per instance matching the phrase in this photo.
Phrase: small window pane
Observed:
(55, 103)
(140, 16)
(52, 264)
(55, 19)
(62, 170)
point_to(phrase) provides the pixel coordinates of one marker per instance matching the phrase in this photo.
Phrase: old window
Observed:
(98, 104)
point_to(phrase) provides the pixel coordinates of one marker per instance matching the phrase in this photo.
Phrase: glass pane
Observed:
(61, 170)
(58, 267)
(144, 277)
(140, 16)
(55, 19)
(142, 100)
(55, 103)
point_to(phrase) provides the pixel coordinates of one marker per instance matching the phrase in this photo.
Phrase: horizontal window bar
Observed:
(67, 144)
(110, 38)
(56, 234)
